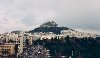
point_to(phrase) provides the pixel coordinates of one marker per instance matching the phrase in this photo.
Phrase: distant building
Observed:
(77, 34)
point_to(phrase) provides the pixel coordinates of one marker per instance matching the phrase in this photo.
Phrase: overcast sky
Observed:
(81, 15)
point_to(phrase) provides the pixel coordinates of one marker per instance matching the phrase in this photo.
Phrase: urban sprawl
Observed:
(67, 44)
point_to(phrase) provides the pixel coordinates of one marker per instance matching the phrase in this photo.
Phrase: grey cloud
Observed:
(27, 20)
(82, 14)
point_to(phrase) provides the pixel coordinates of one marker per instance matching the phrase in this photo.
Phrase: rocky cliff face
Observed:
(49, 24)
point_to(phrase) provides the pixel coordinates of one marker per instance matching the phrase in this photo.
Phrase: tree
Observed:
(27, 42)
(16, 48)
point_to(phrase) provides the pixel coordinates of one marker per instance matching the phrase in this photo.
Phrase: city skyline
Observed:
(28, 14)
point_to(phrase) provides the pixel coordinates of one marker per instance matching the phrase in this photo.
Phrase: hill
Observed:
(49, 26)
(55, 30)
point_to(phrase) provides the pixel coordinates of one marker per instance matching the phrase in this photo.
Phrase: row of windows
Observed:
(6, 46)
(5, 49)
(15, 39)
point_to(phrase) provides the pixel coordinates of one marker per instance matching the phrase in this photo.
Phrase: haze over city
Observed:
(81, 15)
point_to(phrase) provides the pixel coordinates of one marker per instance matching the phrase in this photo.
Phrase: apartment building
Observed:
(7, 49)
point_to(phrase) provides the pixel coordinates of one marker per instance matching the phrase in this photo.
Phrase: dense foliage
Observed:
(55, 30)
(74, 47)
